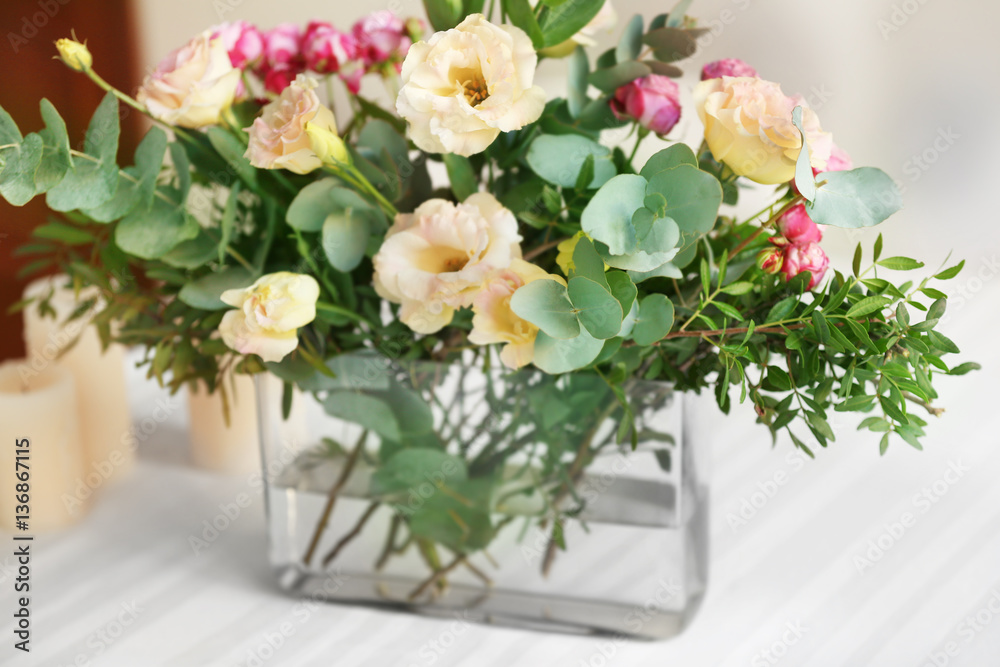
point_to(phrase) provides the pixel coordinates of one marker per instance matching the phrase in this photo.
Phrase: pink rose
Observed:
(770, 260)
(839, 160)
(326, 50)
(381, 37)
(808, 257)
(727, 67)
(279, 77)
(282, 44)
(242, 40)
(796, 226)
(652, 101)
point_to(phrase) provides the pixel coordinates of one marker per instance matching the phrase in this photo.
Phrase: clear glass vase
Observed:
(514, 498)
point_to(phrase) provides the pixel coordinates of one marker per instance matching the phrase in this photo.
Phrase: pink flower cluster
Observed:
(375, 43)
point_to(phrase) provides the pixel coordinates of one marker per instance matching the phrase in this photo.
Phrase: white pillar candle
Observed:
(235, 447)
(38, 420)
(216, 445)
(100, 376)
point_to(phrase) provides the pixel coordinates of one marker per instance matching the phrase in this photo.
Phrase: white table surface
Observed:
(790, 580)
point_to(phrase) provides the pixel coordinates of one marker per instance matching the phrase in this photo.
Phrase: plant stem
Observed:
(435, 577)
(390, 543)
(354, 532)
(545, 247)
(345, 473)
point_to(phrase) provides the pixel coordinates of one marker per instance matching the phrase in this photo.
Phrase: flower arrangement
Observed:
(261, 230)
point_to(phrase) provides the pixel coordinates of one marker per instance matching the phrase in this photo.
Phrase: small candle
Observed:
(40, 436)
(216, 445)
(100, 375)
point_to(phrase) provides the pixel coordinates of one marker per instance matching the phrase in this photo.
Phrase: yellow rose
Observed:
(438, 258)
(192, 87)
(280, 138)
(465, 86)
(748, 126)
(269, 314)
(493, 321)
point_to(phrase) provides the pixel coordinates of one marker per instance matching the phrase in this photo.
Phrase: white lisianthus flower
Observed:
(463, 87)
(494, 321)
(269, 314)
(436, 259)
(280, 138)
(193, 86)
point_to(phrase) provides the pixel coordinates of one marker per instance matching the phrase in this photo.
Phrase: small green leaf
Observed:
(671, 44)
(608, 216)
(951, 272)
(728, 310)
(612, 78)
(546, 304)
(738, 288)
(856, 263)
(781, 310)
(656, 317)
(867, 306)
(942, 342)
(630, 44)
(598, 310)
(821, 326)
(522, 15)
(900, 263)
(560, 159)
(345, 238)
(561, 22)
(623, 289)
(878, 248)
(669, 158)
(556, 356)
(577, 78)
(461, 175)
(91, 182)
(204, 292)
(967, 367)
(805, 182)
(587, 263)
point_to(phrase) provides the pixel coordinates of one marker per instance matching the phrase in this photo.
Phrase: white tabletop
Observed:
(800, 579)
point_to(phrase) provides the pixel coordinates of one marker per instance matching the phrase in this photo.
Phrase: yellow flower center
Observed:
(476, 90)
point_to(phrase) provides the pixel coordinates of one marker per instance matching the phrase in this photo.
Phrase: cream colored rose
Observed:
(604, 21)
(279, 138)
(269, 314)
(465, 86)
(748, 126)
(436, 259)
(493, 321)
(193, 86)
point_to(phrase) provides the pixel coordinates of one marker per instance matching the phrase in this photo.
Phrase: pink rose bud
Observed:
(282, 44)
(242, 40)
(796, 226)
(839, 160)
(326, 50)
(770, 260)
(653, 102)
(381, 36)
(806, 258)
(279, 77)
(727, 67)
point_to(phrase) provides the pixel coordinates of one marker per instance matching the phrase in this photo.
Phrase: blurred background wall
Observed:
(906, 85)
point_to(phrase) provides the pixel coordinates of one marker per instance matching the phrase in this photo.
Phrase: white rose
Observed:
(438, 258)
(269, 314)
(464, 86)
(193, 86)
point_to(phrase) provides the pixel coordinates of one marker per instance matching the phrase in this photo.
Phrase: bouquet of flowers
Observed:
(260, 230)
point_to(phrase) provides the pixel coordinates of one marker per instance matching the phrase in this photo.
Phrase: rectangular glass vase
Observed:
(558, 503)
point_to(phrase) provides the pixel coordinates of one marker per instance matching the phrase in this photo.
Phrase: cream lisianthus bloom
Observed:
(269, 314)
(280, 138)
(604, 21)
(493, 321)
(748, 126)
(436, 259)
(465, 86)
(193, 86)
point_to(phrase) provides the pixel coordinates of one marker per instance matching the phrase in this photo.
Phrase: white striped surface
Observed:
(792, 563)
